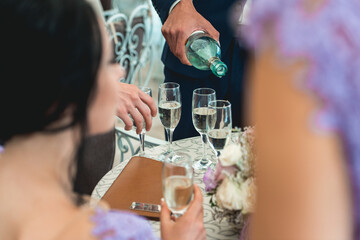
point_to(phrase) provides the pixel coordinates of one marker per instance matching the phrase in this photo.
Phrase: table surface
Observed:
(214, 228)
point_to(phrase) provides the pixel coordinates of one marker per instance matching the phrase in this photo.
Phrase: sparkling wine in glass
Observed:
(177, 182)
(219, 125)
(169, 109)
(200, 112)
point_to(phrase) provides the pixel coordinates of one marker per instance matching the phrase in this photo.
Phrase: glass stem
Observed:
(204, 139)
(142, 143)
(169, 133)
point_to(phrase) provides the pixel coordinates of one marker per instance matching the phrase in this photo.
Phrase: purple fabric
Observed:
(209, 180)
(329, 38)
(117, 225)
(1, 149)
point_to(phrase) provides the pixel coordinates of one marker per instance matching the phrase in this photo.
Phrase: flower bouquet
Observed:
(231, 183)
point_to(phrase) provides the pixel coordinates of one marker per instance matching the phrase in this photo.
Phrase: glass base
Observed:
(201, 164)
(163, 155)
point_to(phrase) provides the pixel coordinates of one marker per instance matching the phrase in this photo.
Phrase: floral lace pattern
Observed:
(117, 225)
(329, 38)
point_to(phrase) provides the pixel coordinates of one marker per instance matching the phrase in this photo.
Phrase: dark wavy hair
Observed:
(50, 53)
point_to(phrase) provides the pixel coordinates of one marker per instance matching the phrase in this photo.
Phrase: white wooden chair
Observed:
(130, 24)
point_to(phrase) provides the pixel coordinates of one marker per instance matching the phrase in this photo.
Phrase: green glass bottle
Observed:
(204, 53)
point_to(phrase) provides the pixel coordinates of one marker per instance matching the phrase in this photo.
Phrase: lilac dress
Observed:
(118, 225)
(329, 38)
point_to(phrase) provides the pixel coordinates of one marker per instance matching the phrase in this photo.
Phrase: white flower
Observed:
(230, 155)
(235, 176)
(248, 193)
(236, 196)
(228, 195)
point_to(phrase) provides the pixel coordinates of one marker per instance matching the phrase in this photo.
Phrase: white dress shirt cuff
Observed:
(173, 5)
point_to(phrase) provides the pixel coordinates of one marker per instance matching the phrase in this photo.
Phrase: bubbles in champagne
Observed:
(177, 193)
(218, 138)
(199, 118)
(170, 113)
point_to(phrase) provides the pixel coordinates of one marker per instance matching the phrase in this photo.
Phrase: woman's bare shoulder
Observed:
(302, 172)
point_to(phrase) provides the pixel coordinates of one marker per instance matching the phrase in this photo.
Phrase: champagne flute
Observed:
(200, 102)
(219, 125)
(169, 109)
(177, 182)
(148, 91)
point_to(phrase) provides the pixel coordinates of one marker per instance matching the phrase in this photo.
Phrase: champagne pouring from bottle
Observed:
(204, 53)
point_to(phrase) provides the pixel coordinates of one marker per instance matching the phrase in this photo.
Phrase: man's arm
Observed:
(162, 7)
(180, 24)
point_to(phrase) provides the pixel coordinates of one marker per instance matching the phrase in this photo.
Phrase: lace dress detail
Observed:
(329, 38)
(117, 225)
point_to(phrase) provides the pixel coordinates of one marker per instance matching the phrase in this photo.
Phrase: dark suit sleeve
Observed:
(162, 8)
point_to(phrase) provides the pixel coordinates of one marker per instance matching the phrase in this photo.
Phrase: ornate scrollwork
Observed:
(131, 29)
(126, 140)
(124, 144)
(131, 36)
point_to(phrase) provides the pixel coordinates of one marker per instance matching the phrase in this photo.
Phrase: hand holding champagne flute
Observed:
(148, 91)
(177, 178)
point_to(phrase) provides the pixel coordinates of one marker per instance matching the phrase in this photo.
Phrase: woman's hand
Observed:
(188, 226)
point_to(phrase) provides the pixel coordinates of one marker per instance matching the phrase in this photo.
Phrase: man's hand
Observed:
(180, 24)
(138, 104)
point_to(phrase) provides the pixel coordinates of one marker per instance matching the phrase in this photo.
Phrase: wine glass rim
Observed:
(169, 85)
(226, 103)
(197, 91)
